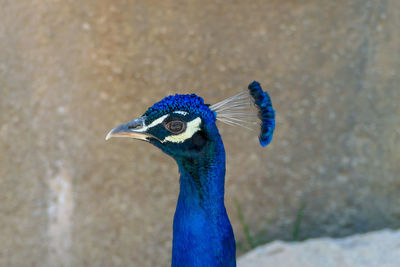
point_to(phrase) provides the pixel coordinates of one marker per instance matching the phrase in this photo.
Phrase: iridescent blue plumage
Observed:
(265, 112)
(202, 232)
(184, 127)
(190, 103)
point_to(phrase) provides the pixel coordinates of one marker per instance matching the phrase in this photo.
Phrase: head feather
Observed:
(249, 109)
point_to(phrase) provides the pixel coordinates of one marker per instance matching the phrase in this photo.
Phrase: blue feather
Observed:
(202, 232)
(266, 112)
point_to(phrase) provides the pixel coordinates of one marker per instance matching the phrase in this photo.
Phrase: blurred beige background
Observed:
(72, 70)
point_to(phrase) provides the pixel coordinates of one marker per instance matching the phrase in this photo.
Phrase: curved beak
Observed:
(134, 129)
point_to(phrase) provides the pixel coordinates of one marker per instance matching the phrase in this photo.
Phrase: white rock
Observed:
(374, 249)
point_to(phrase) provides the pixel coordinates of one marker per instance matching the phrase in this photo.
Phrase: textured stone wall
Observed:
(72, 70)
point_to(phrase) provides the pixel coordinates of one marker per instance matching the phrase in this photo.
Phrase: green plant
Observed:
(250, 241)
(298, 221)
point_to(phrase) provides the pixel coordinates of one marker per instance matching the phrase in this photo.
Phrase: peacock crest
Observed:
(249, 109)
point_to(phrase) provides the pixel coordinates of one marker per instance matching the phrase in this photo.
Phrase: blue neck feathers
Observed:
(202, 233)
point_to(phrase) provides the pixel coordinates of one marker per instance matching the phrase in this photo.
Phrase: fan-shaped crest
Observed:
(251, 109)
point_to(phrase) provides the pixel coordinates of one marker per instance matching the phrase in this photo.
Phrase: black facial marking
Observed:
(199, 139)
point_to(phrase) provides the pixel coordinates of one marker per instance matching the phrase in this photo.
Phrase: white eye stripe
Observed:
(184, 113)
(154, 123)
(158, 121)
(191, 128)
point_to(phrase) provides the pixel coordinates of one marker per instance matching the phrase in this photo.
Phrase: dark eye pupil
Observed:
(175, 126)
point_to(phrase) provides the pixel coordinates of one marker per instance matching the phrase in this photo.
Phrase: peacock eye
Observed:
(175, 127)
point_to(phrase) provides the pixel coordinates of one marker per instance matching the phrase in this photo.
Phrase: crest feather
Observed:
(251, 109)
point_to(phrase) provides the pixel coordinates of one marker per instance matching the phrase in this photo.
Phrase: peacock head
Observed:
(183, 125)
(180, 125)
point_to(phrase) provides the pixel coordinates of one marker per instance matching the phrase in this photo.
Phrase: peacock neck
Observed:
(203, 178)
(203, 235)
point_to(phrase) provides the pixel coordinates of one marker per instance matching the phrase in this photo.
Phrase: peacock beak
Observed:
(134, 129)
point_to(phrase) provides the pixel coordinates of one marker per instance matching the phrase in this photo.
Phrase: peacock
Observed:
(184, 127)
